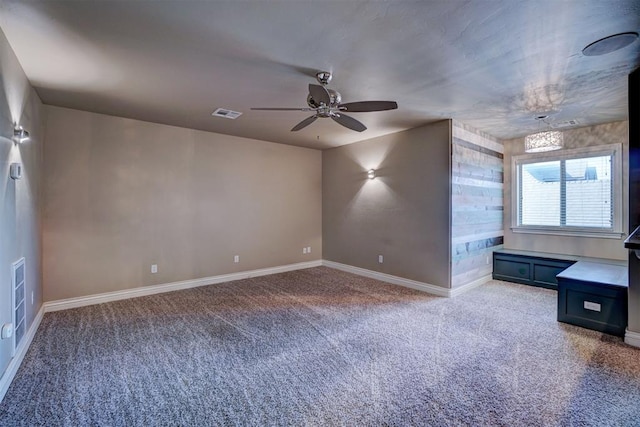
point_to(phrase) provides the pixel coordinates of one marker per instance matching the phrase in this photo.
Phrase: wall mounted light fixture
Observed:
(371, 173)
(20, 134)
(15, 171)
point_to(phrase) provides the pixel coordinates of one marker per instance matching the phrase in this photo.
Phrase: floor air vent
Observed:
(18, 299)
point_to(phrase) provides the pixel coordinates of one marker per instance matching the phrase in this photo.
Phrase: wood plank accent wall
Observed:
(477, 203)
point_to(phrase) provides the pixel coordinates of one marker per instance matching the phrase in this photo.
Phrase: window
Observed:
(576, 192)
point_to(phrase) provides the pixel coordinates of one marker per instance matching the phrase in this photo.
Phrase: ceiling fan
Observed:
(327, 103)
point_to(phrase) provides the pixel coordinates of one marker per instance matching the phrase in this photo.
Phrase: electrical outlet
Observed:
(304, 250)
(31, 297)
(487, 260)
(154, 268)
(380, 259)
(236, 258)
(308, 249)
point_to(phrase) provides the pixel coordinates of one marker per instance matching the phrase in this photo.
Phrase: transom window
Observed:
(569, 192)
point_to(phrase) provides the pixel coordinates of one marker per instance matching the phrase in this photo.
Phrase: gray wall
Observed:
(122, 194)
(477, 204)
(610, 133)
(20, 201)
(402, 214)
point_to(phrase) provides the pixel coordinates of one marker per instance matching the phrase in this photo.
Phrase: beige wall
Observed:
(610, 133)
(20, 201)
(122, 194)
(402, 214)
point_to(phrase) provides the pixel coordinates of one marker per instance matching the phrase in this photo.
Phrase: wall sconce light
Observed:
(15, 171)
(371, 173)
(20, 134)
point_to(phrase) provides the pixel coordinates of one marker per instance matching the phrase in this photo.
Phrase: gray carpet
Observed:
(323, 347)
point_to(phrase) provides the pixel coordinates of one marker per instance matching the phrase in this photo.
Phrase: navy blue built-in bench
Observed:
(592, 292)
(530, 268)
(594, 295)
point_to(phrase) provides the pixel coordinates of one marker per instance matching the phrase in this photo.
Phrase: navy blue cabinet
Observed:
(528, 269)
(594, 296)
(591, 294)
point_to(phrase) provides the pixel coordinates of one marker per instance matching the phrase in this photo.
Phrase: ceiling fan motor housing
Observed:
(334, 95)
(324, 77)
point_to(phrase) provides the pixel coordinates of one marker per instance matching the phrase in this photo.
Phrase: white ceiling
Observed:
(491, 64)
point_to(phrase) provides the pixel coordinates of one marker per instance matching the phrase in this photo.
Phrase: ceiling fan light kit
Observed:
(327, 103)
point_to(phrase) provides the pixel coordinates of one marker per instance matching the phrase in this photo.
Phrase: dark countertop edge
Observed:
(633, 241)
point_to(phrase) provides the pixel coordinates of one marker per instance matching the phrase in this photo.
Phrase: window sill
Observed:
(570, 233)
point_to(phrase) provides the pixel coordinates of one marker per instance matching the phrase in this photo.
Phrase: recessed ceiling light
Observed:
(227, 114)
(609, 44)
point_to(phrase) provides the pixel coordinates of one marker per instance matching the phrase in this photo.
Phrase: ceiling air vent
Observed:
(565, 124)
(227, 114)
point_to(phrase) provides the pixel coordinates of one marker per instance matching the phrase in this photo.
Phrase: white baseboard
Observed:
(632, 338)
(16, 361)
(413, 284)
(21, 351)
(14, 364)
(396, 280)
(467, 286)
(66, 304)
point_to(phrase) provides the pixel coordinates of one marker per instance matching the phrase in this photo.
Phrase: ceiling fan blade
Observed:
(320, 94)
(306, 122)
(365, 106)
(348, 122)
(284, 109)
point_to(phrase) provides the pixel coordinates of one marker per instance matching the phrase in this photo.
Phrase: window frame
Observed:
(613, 150)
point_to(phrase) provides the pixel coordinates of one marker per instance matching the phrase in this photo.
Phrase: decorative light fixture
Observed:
(371, 173)
(20, 134)
(543, 141)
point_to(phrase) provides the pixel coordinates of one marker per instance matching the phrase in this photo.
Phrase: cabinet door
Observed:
(544, 274)
(512, 269)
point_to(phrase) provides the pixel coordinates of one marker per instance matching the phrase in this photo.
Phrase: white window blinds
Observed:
(571, 190)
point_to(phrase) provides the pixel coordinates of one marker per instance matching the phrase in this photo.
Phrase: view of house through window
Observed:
(568, 192)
